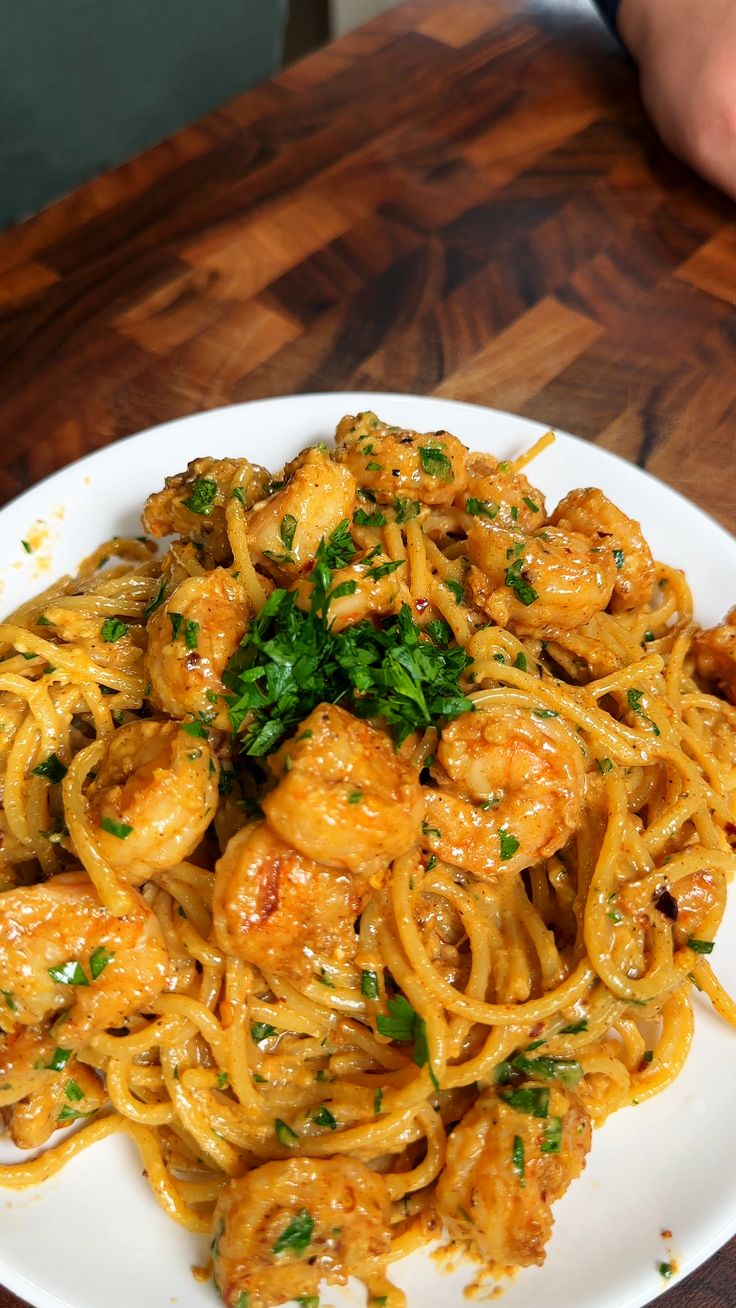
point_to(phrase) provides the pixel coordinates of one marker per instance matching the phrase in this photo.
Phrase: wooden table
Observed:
(463, 198)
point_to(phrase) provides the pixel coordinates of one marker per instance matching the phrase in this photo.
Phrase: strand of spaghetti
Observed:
(670, 1051)
(401, 1183)
(17, 1176)
(126, 1103)
(706, 980)
(627, 746)
(194, 1012)
(622, 678)
(530, 1012)
(237, 536)
(164, 1187)
(534, 451)
(78, 664)
(118, 896)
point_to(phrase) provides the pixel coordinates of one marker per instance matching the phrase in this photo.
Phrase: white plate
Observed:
(94, 1235)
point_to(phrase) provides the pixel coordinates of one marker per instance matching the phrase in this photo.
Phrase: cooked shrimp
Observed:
(192, 503)
(522, 782)
(282, 911)
(344, 796)
(283, 1226)
(506, 1167)
(60, 1097)
(502, 495)
(591, 513)
(60, 948)
(158, 786)
(285, 530)
(190, 640)
(370, 596)
(715, 655)
(551, 580)
(393, 462)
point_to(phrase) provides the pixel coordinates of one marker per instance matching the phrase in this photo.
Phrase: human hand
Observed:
(686, 52)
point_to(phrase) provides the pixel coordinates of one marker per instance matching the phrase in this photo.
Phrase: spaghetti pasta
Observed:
(359, 853)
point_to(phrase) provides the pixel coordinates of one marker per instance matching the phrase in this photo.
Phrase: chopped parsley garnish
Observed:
(634, 698)
(377, 1102)
(52, 769)
(373, 466)
(297, 1236)
(157, 600)
(509, 844)
(290, 661)
(202, 497)
(427, 830)
(481, 508)
(73, 1091)
(355, 796)
(99, 960)
(575, 1028)
(544, 713)
(197, 729)
(532, 1099)
(435, 462)
(222, 1080)
(564, 1070)
(9, 1000)
(619, 558)
(68, 1114)
(261, 1031)
(69, 974)
(239, 495)
(59, 1060)
(530, 504)
(191, 631)
(604, 765)
(176, 620)
(666, 1271)
(120, 829)
(369, 985)
(517, 582)
(306, 1300)
(520, 663)
(552, 1139)
(338, 549)
(287, 530)
(455, 588)
(384, 569)
(517, 1159)
(113, 630)
(404, 1025)
(649, 636)
(323, 1117)
(700, 946)
(28, 548)
(374, 519)
(405, 510)
(324, 980)
(284, 1133)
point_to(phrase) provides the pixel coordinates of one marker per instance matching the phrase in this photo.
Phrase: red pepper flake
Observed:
(421, 605)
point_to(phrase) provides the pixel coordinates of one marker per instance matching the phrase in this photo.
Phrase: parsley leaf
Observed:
(297, 1236)
(119, 829)
(287, 530)
(323, 1117)
(369, 985)
(405, 510)
(481, 508)
(700, 946)
(517, 1159)
(509, 844)
(190, 633)
(374, 519)
(435, 462)
(69, 974)
(532, 1099)
(517, 582)
(176, 620)
(619, 558)
(284, 1133)
(338, 549)
(202, 497)
(156, 602)
(290, 661)
(113, 630)
(99, 960)
(405, 1025)
(52, 769)
(261, 1031)
(552, 1139)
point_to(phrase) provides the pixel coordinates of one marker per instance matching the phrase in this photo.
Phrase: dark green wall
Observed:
(87, 84)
